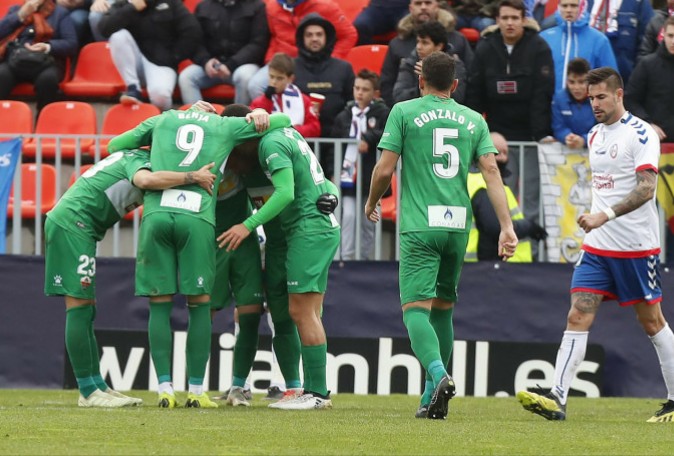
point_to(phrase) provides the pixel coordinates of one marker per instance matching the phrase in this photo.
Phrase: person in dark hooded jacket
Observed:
(316, 71)
(148, 39)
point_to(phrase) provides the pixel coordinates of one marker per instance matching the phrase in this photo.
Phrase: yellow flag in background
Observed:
(666, 183)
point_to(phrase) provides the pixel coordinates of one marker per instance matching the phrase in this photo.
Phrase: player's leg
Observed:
(592, 281)
(156, 277)
(195, 249)
(246, 282)
(308, 263)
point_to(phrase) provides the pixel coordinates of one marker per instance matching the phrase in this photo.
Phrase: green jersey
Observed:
(186, 141)
(102, 195)
(286, 148)
(259, 189)
(438, 139)
(233, 205)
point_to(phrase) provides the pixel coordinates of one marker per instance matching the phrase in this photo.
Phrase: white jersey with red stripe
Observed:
(617, 152)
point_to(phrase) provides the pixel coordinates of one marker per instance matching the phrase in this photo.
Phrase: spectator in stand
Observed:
(378, 18)
(284, 96)
(573, 37)
(42, 31)
(650, 91)
(96, 12)
(148, 39)
(401, 46)
(79, 15)
(477, 14)
(572, 115)
(235, 40)
(431, 36)
(363, 119)
(512, 81)
(284, 16)
(317, 71)
(655, 30)
(624, 23)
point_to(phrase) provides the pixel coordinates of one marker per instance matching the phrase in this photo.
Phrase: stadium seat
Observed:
(95, 74)
(389, 210)
(352, 8)
(370, 56)
(73, 176)
(6, 4)
(222, 92)
(120, 118)
(191, 4)
(550, 8)
(63, 118)
(16, 118)
(28, 193)
(471, 34)
(218, 107)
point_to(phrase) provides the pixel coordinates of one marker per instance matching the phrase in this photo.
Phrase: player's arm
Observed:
(161, 180)
(642, 193)
(284, 194)
(507, 240)
(381, 179)
(135, 138)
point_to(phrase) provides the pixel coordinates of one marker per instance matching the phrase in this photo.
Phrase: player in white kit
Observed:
(620, 251)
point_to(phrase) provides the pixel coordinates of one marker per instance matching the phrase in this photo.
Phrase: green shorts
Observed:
(172, 246)
(430, 265)
(309, 259)
(70, 263)
(276, 281)
(238, 273)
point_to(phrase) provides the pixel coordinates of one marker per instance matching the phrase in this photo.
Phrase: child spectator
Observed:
(572, 115)
(363, 119)
(284, 96)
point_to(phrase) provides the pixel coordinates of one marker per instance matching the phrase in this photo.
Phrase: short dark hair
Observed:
(283, 63)
(438, 70)
(236, 110)
(578, 66)
(516, 4)
(605, 74)
(433, 30)
(371, 76)
(669, 21)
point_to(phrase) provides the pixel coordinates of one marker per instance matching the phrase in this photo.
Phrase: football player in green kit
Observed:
(438, 140)
(304, 199)
(95, 202)
(176, 251)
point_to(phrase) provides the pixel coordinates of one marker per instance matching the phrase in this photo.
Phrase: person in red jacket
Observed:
(283, 18)
(284, 96)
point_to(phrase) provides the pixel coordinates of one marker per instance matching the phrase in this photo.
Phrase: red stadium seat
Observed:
(6, 4)
(28, 204)
(370, 56)
(550, 8)
(352, 8)
(389, 210)
(95, 74)
(120, 118)
(218, 107)
(16, 118)
(63, 118)
(73, 176)
(191, 4)
(471, 34)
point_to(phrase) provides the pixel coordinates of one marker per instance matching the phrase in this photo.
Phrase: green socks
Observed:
(198, 341)
(246, 347)
(424, 341)
(441, 320)
(78, 322)
(314, 358)
(288, 348)
(95, 357)
(161, 339)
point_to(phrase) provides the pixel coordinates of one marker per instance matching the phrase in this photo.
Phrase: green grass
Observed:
(49, 422)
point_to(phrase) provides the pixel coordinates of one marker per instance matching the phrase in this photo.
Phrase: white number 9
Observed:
(190, 139)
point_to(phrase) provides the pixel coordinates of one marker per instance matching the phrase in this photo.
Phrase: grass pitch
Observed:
(49, 422)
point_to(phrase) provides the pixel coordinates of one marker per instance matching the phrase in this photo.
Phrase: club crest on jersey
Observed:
(200, 282)
(613, 151)
(58, 281)
(85, 282)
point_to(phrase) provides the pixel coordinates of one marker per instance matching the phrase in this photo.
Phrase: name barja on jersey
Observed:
(194, 115)
(436, 114)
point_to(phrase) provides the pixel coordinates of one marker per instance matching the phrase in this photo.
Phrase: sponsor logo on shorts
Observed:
(58, 281)
(85, 282)
(293, 283)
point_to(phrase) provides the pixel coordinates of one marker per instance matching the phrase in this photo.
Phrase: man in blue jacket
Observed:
(572, 115)
(573, 37)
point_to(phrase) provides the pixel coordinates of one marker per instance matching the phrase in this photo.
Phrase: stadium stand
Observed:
(63, 118)
(74, 176)
(352, 8)
(95, 73)
(120, 118)
(218, 107)
(28, 204)
(16, 118)
(369, 56)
